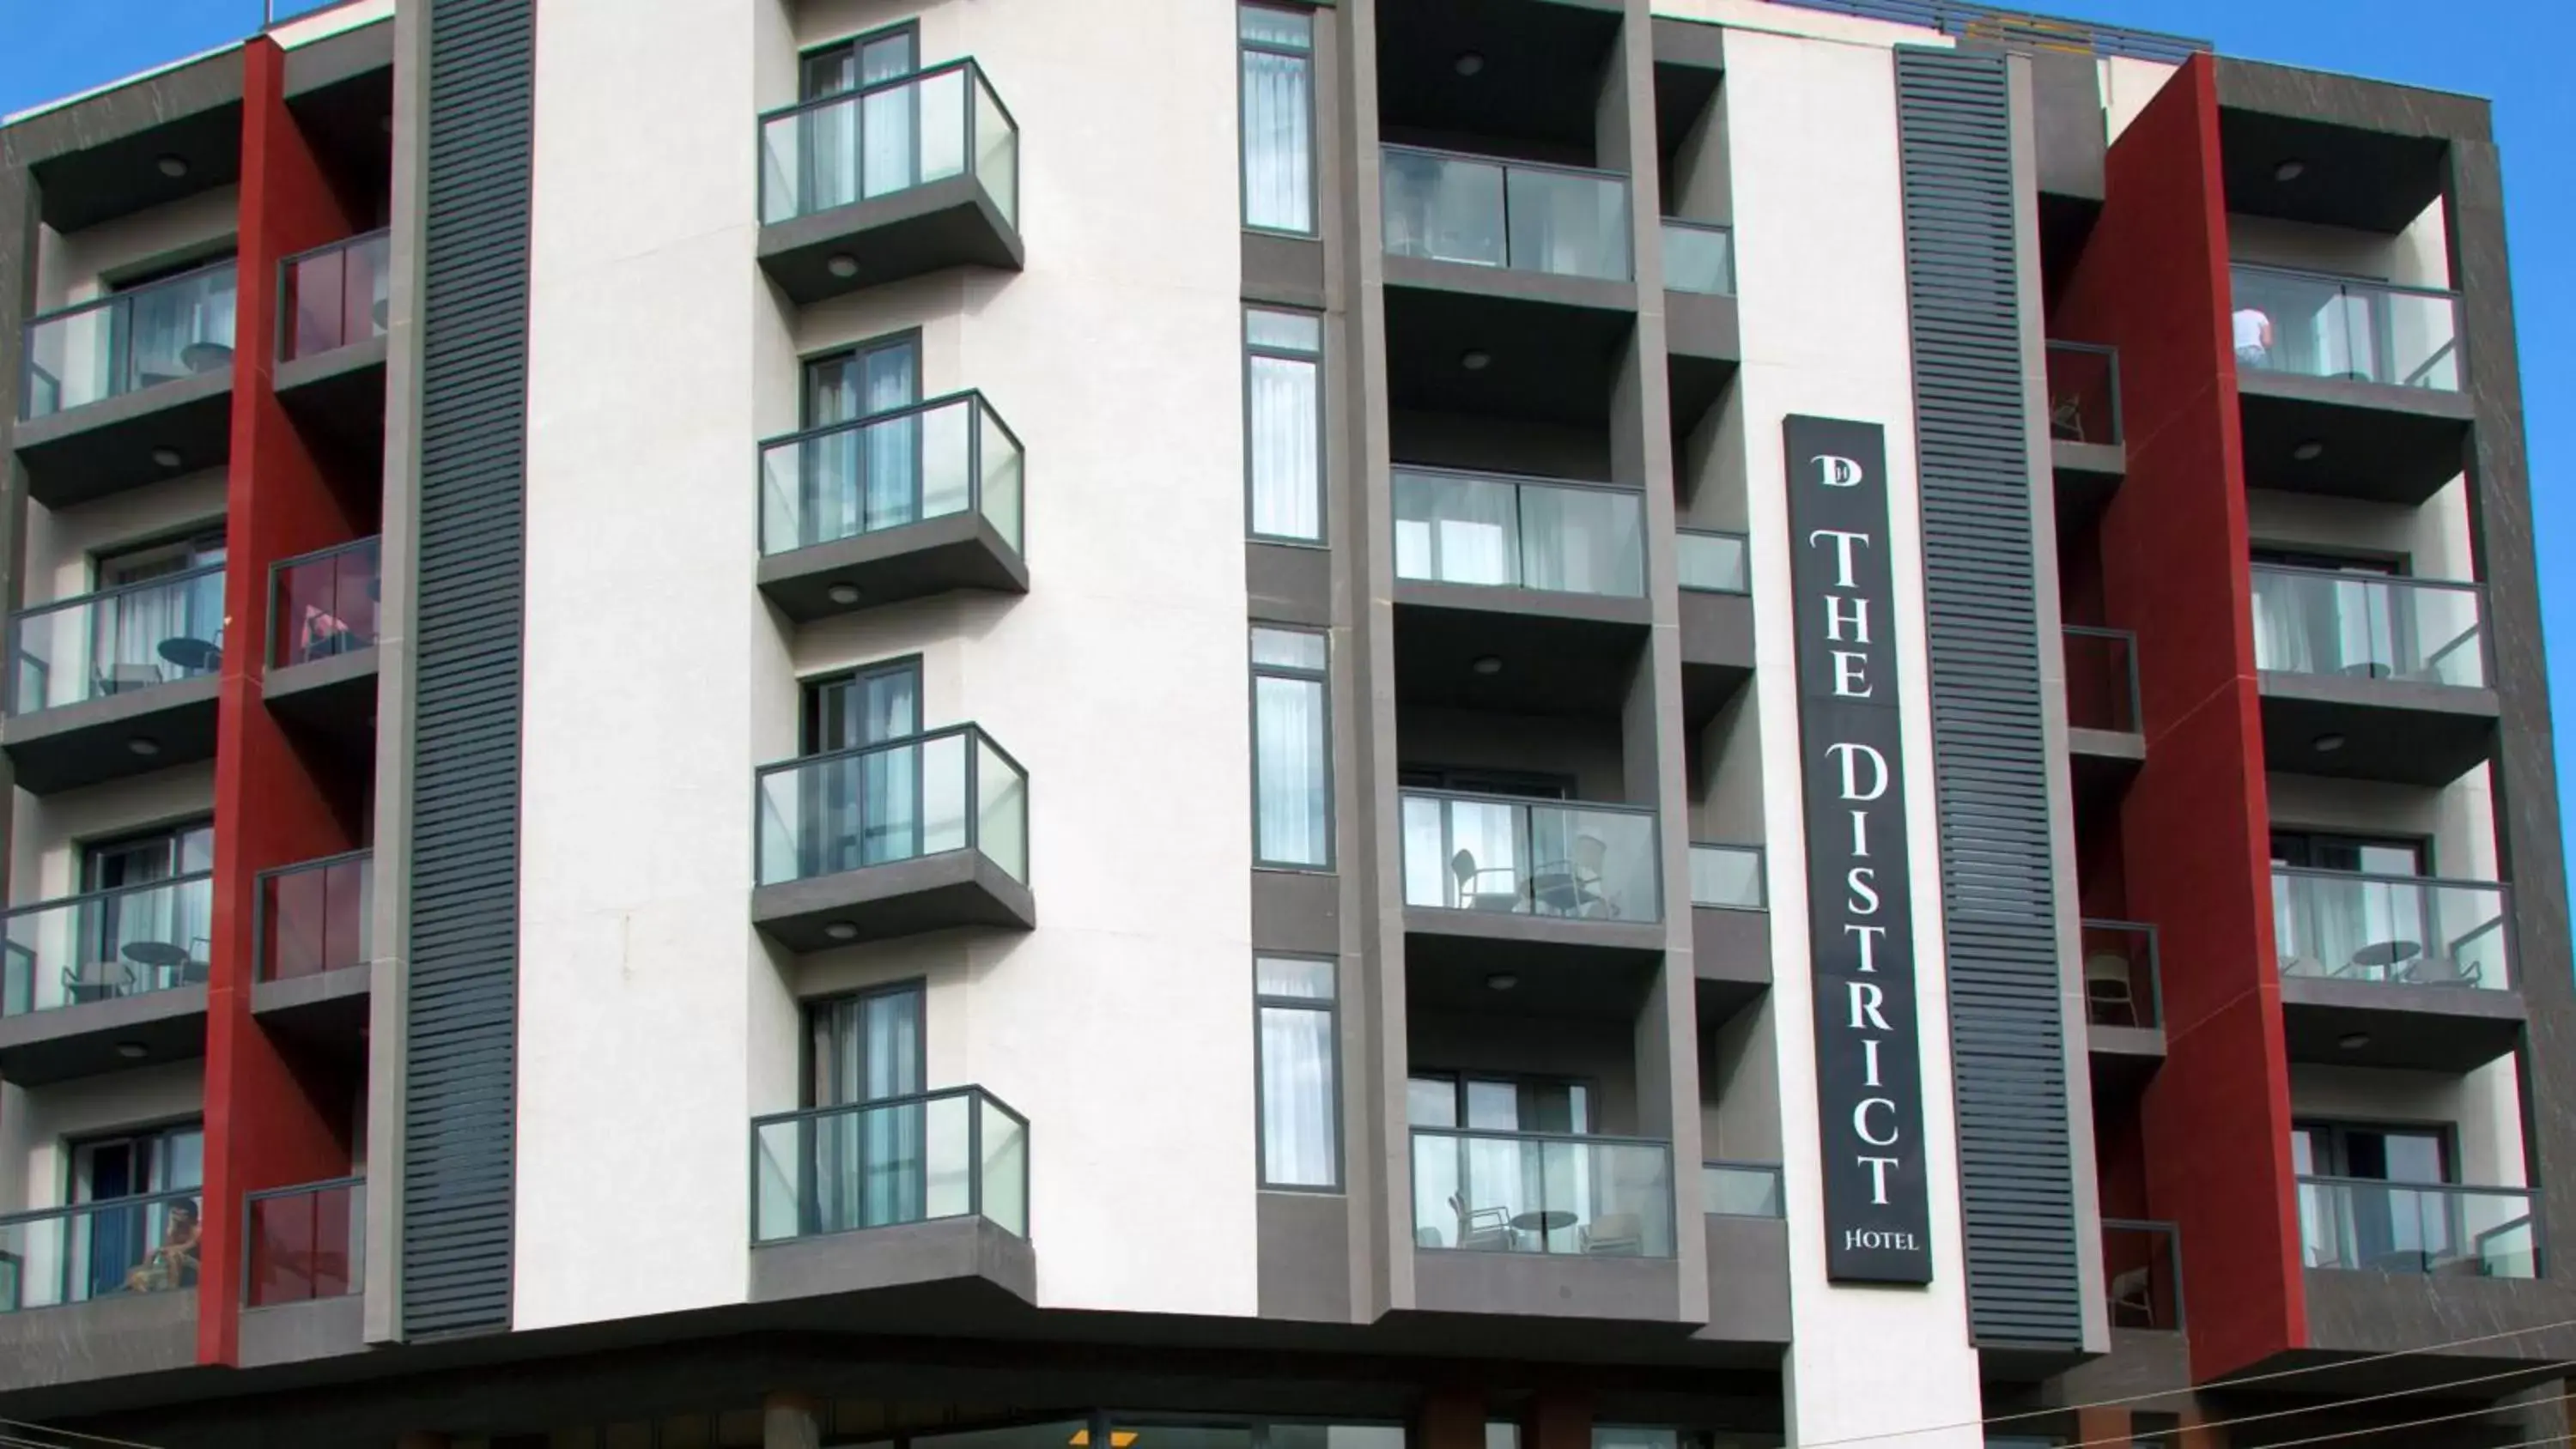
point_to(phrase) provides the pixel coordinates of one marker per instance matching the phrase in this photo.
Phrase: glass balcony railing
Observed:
(2142, 1268)
(1741, 1189)
(2122, 986)
(1730, 877)
(1712, 562)
(1530, 857)
(2398, 1227)
(324, 603)
(2368, 626)
(925, 794)
(1532, 1192)
(932, 460)
(1699, 257)
(2101, 679)
(129, 341)
(890, 137)
(1465, 528)
(55, 1256)
(2396, 930)
(947, 1154)
(1446, 207)
(2083, 393)
(131, 941)
(117, 640)
(335, 295)
(306, 1243)
(2345, 327)
(317, 916)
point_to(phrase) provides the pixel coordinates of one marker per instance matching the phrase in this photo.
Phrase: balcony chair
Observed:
(97, 981)
(1615, 1234)
(118, 678)
(1470, 897)
(1484, 1229)
(2441, 971)
(2133, 1303)
(2107, 998)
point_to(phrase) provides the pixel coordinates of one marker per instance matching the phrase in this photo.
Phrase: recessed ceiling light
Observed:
(2327, 744)
(842, 265)
(173, 167)
(2290, 170)
(133, 1051)
(1487, 664)
(1468, 63)
(842, 593)
(1475, 359)
(2309, 451)
(2353, 1041)
(1502, 981)
(841, 931)
(165, 457)
(144, 745)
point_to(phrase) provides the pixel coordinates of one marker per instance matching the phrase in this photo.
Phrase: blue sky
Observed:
(2511, 51)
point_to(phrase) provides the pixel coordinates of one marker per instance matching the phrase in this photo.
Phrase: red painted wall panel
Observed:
(2194, 827)
(272, 1120)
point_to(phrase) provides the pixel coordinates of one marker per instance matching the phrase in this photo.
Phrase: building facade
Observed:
(1706, 723)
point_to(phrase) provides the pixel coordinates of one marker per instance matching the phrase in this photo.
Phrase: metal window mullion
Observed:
(974, 1151)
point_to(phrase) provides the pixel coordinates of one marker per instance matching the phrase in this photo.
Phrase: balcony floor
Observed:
(929, 228)
(106, 447)
(125, 1335)
(898, 898)
(945, 1251)
(2420, 1028)
(2411, 734)
(934, 556)
(40, 1048)
(94, 741)
(2383, 443)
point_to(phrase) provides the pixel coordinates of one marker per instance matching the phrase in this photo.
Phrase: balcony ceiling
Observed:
(1535, 89)
(2367, 180)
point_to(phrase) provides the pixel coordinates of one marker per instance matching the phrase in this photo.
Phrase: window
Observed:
(137, 939)
(867, 1047)
(1278, 119)
(863, 809)
(1292, 776)
(870, 1167)
(2368, 856)
(1301, 1139)
(864, 707)
(1283, 420)
(146, 1248)
(864, 61)
(866, 478)
(846, 152)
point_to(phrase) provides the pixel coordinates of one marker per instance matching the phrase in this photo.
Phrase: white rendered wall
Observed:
(1819, 197)
(73, 267)
(659, 357)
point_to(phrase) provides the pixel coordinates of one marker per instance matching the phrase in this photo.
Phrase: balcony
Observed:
(305, 1269)
(1699, 294)
(2417, 1228)
(1730, 926)
(907, 1190)
(1491, 879)
(2103, 733)
(2085, 441)
(2394, 971)
(322, 638)
(917, 834)
(115, 683)
(2356, 389)
(1526, 1222)
(1481, 541)
(98, 982)
(1715, 573)
(906, 176)
(2124, 1008)
(1744, 1219)
(2142, 1271)
(896, 506)
(333, 303)
(2372, 676)
(1526, 268)
(314, 926)
(129, 388)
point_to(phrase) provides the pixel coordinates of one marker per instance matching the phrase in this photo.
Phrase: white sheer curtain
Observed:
(1300, 1136)
(1278, 120)
(1289, 771)
(1287, 428)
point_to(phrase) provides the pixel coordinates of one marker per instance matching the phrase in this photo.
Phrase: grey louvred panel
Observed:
(1989, 747)
(461, 1025)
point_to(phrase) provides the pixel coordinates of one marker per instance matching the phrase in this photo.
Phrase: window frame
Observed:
(809, 691)
(814, 1009)
(1244, 48)
(1317, 360)
(2303, 844)
(1323, 679)
(851, 45)
(1328, 1007)
(909, 337)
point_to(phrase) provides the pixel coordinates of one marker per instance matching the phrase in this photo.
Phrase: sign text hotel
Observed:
(1859, 914)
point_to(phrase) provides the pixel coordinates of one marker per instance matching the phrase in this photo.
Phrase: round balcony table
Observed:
(194, 655)
(1550, 1220)
(163, 960)
(2380, 958)
(205, 356)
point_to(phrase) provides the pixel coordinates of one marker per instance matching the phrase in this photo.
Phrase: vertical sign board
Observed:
(1860, 919)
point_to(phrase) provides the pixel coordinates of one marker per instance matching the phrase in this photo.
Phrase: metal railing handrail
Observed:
(57, 903)
(324, 862)
(2343, 280)
(1516, 480)
(382, 233)
(113, 299)
(2101, 631)
(2447, 1189)
(157, 581)
(1507, 163)
(2069, 344)
(902, 742)
(193, 1195)
(1726, 227)
(371, 541)
(2363, 877)
(305, 1189)
(911, 77)
(907, 1099)
(2356, 576)
(1529, 801)
(972, 396)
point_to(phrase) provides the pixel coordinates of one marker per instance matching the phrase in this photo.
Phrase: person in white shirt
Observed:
(2253, 337)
